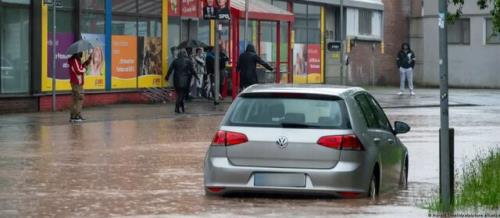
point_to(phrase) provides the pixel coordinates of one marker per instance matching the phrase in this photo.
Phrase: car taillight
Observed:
(226, 138)
(219, 138)
(351, 142)
(334, 141)
(341, 142)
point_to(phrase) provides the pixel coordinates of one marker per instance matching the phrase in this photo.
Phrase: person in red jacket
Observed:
(77, 78)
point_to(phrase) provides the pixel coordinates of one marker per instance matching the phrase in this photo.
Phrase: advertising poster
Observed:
(64, 40)
(189, 8)
(124, 62)
(314, 63)
(150, 63)
(174, 8)
(95, 74)
(300, 63)
(223, 12)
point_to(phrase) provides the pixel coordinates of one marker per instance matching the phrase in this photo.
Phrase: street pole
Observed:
(54, 56)
(217, 63)
(246, 24)
(445, 161)
(342, 46)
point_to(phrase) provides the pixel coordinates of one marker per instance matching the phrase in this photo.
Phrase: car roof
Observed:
(319, 89)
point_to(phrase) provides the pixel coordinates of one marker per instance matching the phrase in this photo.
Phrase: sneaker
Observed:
(400, 93)
(81, 118)
(73, 120)
(412, 93)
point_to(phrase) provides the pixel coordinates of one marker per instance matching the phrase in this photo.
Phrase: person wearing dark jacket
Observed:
(183, 70)
(247, 67)
(210, 68)
(406, 63)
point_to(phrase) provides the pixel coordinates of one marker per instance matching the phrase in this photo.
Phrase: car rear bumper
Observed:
(344, 177)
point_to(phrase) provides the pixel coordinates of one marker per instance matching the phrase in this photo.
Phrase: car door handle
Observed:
(391, 141)
(377, 140)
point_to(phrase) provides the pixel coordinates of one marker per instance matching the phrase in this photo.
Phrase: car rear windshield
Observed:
(288, 111)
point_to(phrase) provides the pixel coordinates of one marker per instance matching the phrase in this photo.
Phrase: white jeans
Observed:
(405, 74)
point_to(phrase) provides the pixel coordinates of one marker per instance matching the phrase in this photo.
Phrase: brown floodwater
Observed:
(148, 167)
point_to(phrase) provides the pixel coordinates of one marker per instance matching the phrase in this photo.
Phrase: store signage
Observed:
(174, 8)
(334, 46)
(189, 8)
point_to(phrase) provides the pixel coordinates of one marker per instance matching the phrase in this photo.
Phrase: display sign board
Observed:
(216, 9)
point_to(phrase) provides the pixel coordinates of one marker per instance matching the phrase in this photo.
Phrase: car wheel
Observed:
(373, 192)
(403, 180)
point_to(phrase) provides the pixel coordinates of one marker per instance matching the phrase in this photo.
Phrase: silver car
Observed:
(306, 139)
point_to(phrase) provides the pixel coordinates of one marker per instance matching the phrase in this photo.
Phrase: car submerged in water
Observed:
(306, 139)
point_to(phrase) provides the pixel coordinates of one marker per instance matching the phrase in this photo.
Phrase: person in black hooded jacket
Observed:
(183, 70)
(247, 67)
(406, 63)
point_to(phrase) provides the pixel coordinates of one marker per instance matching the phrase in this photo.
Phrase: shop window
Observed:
(173, 37)
(65, 36)
(282, 4)
(92, 16)
(14, 50)
(97, 5)
(204, 31)
(492, 37)
(268, 42)
(251, 34)
(459, 32)
(23, 2)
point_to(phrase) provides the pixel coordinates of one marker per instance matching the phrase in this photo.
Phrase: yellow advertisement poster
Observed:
(96, 70)
(124, 62)
(150, 63)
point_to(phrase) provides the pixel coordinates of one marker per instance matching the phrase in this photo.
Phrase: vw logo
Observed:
(282, 142)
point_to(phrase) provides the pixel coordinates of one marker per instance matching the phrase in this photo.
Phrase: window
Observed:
(382, 120)
(459, 32)
(492, 37)
(92, 17)
(268, 42)
(366, 109)
(264, 110)
(363, 23)
(14, 49)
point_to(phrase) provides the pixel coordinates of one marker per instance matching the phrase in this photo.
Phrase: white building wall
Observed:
(475, 65)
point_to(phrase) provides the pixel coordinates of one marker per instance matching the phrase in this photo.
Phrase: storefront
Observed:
(136, 41)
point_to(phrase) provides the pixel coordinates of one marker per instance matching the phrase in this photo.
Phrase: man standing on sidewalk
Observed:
(406, 63)
(77, 72)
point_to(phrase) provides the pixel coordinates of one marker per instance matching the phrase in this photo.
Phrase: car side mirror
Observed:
(401, 127)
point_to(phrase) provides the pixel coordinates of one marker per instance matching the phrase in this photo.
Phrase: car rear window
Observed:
(289, 111)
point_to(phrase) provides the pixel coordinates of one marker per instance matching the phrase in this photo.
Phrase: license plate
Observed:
(280, 179)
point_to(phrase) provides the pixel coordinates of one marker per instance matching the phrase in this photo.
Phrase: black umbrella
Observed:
(192, 44)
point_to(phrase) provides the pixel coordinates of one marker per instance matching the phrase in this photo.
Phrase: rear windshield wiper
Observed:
(296, 125)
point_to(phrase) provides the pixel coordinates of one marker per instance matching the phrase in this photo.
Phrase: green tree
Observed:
(483, 4)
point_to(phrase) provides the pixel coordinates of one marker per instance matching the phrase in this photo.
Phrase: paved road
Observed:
(140, 160)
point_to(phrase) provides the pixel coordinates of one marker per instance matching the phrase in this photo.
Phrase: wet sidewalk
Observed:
(386, 96)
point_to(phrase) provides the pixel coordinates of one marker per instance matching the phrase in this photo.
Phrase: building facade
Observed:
(473, 48)
(136, 40)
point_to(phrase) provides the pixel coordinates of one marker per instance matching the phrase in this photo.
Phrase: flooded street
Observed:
(148, 167)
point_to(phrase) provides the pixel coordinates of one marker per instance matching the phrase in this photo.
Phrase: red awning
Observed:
(260, 10)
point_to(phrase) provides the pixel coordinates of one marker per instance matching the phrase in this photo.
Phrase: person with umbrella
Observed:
(183, 69)
(77, 76)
